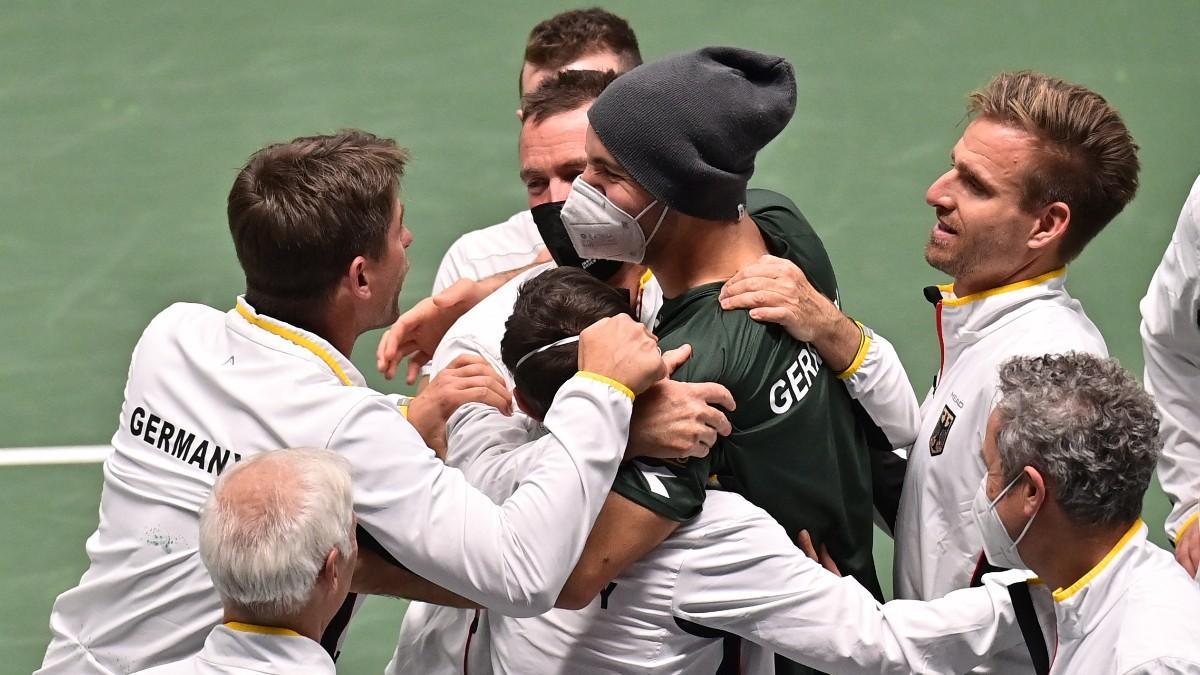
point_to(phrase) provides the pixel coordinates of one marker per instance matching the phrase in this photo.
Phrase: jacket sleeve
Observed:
(877, 380)
(513, 557)
(756, 584)
(1171, 346)
(495, 452)
(459, 343)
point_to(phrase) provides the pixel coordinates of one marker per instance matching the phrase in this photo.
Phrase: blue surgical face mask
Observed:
(600, 229)
(999, 548)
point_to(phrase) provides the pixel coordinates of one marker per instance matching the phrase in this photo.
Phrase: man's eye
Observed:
(535, 186)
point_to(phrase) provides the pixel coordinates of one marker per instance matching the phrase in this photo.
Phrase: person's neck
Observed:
(1061, 566)
(1034, 268)
(332, 322)
(305, 624)
(712, 252)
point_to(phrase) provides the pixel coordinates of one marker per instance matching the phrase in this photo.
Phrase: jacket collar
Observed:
(1080, 607)
(965, 320)
(263, 648)
(266, 330)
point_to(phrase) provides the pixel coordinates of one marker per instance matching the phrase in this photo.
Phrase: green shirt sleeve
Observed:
(673, 490)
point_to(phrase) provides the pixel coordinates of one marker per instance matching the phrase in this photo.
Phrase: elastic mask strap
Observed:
(656, 225)
(539, 350)
(1006, 489)
(1023, 531)
(1001, 495)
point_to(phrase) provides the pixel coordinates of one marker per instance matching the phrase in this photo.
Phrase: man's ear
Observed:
(356, 278)
(1033, 491)
(1051, 226)
(524, 405)
(329, 573)
(520, 115)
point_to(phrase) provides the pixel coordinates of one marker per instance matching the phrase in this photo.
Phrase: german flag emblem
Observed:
(937, 440)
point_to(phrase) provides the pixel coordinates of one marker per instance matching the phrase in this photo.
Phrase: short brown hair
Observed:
(564, 38)
(301, 211)
(563, 92)
(556, 304)
(1087, 158)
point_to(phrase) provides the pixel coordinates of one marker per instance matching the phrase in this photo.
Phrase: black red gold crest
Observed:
(937, 440)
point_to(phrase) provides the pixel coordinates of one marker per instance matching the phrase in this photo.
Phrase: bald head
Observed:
(269, 526)
(263, 488)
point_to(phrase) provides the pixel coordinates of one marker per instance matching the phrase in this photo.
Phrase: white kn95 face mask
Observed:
(999, 548)
(600, 229)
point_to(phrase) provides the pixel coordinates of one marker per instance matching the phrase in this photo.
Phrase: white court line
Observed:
(64, 454)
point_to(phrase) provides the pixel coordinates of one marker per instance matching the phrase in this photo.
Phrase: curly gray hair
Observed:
(1087, 425)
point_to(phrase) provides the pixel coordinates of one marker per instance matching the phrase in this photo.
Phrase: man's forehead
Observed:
(574, 121)
(558, 139)
(994, 149)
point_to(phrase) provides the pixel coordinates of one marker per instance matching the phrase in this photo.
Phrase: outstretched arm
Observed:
(775, 290)
(747, 578)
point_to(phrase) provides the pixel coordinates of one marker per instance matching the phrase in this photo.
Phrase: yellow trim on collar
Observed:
(1186, 524)
(864, 346)
(1016, 286)
(607, 380)
(646, 277)
(1061, 594)
(261, 630)
(298, 340)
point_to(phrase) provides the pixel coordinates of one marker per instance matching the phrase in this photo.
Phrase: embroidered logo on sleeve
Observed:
(654, 476)
(937, 440)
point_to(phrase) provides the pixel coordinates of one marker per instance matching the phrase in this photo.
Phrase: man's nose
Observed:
(559, 189)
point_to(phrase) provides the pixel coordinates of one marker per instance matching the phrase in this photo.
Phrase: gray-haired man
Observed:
(277, 537)
(1069, 451)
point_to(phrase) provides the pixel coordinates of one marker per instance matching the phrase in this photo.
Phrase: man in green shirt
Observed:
(670, 150)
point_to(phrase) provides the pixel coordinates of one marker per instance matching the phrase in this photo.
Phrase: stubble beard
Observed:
(969, 258)
(940, 258)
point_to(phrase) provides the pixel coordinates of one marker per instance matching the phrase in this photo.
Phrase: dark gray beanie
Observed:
(687, 127)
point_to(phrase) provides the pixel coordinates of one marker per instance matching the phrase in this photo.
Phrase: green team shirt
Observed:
(800, 444)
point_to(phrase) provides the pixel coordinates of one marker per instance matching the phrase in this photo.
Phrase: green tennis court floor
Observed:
(124, 123)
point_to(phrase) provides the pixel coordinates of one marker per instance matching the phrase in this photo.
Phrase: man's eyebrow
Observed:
(607, 165)
(529, 174)
(577, 165)
(969, 175)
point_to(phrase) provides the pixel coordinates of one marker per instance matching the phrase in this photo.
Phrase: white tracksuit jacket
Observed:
(206, 388)
(938, 547)
(1171, 345)
(246, 649)
(1134, 613)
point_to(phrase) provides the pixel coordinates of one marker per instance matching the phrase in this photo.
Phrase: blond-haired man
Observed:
(1042, 168)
